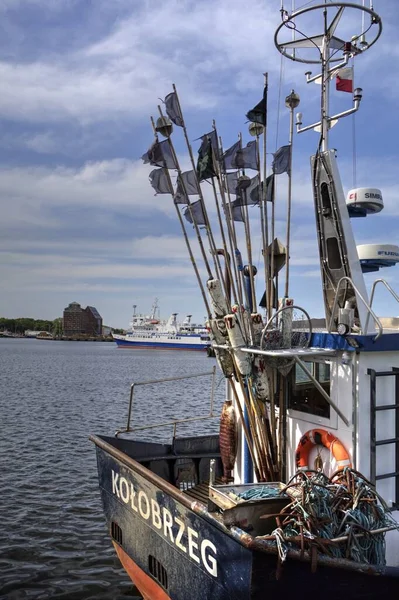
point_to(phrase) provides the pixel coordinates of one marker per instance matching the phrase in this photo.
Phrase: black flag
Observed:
(259, 113)
(281, 161)
(205, 166)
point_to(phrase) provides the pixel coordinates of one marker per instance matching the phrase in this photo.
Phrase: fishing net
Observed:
(289, 328)
(337, 516)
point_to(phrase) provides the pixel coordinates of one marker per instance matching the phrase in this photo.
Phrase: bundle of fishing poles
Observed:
(229, 294)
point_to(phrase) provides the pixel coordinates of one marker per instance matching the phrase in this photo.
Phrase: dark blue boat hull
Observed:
(173, 549)
(193, 553)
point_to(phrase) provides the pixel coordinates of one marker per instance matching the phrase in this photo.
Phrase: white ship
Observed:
(149, 331)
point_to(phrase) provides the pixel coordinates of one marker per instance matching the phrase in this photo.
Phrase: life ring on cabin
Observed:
(321, 437)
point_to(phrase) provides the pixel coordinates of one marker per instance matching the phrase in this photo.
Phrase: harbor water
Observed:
(53, 540)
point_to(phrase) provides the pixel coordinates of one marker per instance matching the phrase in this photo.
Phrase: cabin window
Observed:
(158, 571)
(116, 533)
(303, 394)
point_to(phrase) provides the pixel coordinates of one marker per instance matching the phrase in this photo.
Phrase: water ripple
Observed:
(53, 542)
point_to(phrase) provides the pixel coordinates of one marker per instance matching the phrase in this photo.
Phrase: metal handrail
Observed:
(280, 310)
(394, 294)
(175, 422)
(369, 310)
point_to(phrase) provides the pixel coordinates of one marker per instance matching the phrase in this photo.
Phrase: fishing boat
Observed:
(149, 331)
(298, 494)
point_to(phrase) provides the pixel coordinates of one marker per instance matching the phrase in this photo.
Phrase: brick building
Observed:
(77, 320)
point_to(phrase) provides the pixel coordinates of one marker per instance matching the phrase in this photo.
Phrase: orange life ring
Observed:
(316, 437)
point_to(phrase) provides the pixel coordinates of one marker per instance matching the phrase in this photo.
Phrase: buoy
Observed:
(260, 379)
(237, 341)
(228, 439)
(324, 438)
(223, 357)
(257, 327)
(217, 297)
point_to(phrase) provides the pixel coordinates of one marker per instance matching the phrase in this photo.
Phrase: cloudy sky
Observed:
(79, 82)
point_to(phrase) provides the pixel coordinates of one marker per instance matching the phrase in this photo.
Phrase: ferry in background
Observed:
(148, 331)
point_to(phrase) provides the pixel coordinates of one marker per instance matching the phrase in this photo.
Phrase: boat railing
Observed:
(390, 290)
(368, 308)
(175, 422)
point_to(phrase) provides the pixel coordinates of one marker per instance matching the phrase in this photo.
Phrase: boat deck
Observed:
(200, 492)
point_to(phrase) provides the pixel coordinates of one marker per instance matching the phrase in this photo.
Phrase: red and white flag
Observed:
(344, 80)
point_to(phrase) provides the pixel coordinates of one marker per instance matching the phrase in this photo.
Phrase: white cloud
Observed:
(215, 52)
(127, 71)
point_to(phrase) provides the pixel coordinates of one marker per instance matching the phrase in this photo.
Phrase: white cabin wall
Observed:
(350, 390)
(392, 544)
(299, 423)
(239, 468)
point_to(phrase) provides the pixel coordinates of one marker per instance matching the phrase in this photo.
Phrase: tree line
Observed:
(24, 323)
(21, 325)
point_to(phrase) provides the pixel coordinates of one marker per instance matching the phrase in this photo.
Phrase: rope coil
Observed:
(339, 516)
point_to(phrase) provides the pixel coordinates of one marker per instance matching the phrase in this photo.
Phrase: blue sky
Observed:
(79, 81)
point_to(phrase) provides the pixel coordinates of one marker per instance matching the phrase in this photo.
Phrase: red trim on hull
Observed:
(148, 588)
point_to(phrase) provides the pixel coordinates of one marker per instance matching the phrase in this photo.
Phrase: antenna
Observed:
(332, 50)
(327, 49)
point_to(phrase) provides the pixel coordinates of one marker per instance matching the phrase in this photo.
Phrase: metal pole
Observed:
(291, 101)
(325, 86)
(266, 222)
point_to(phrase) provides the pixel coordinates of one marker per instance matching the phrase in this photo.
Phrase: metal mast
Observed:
(339, 261)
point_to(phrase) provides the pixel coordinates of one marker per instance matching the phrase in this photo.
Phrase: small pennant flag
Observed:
(270, 188)
(173, 109)
(281, 160)
(160, 155)
(235, 211)
(344, 80)
(246, 158)
(231, 181)
(230, 155)
(160, 181)
(195, 213)
(187, 183)
(249, 194)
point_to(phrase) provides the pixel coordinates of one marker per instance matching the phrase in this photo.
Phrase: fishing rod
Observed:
(167, 132)
(247, 229)
(186, 239)
(208, 227)
(224, 188)
(228, 221)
